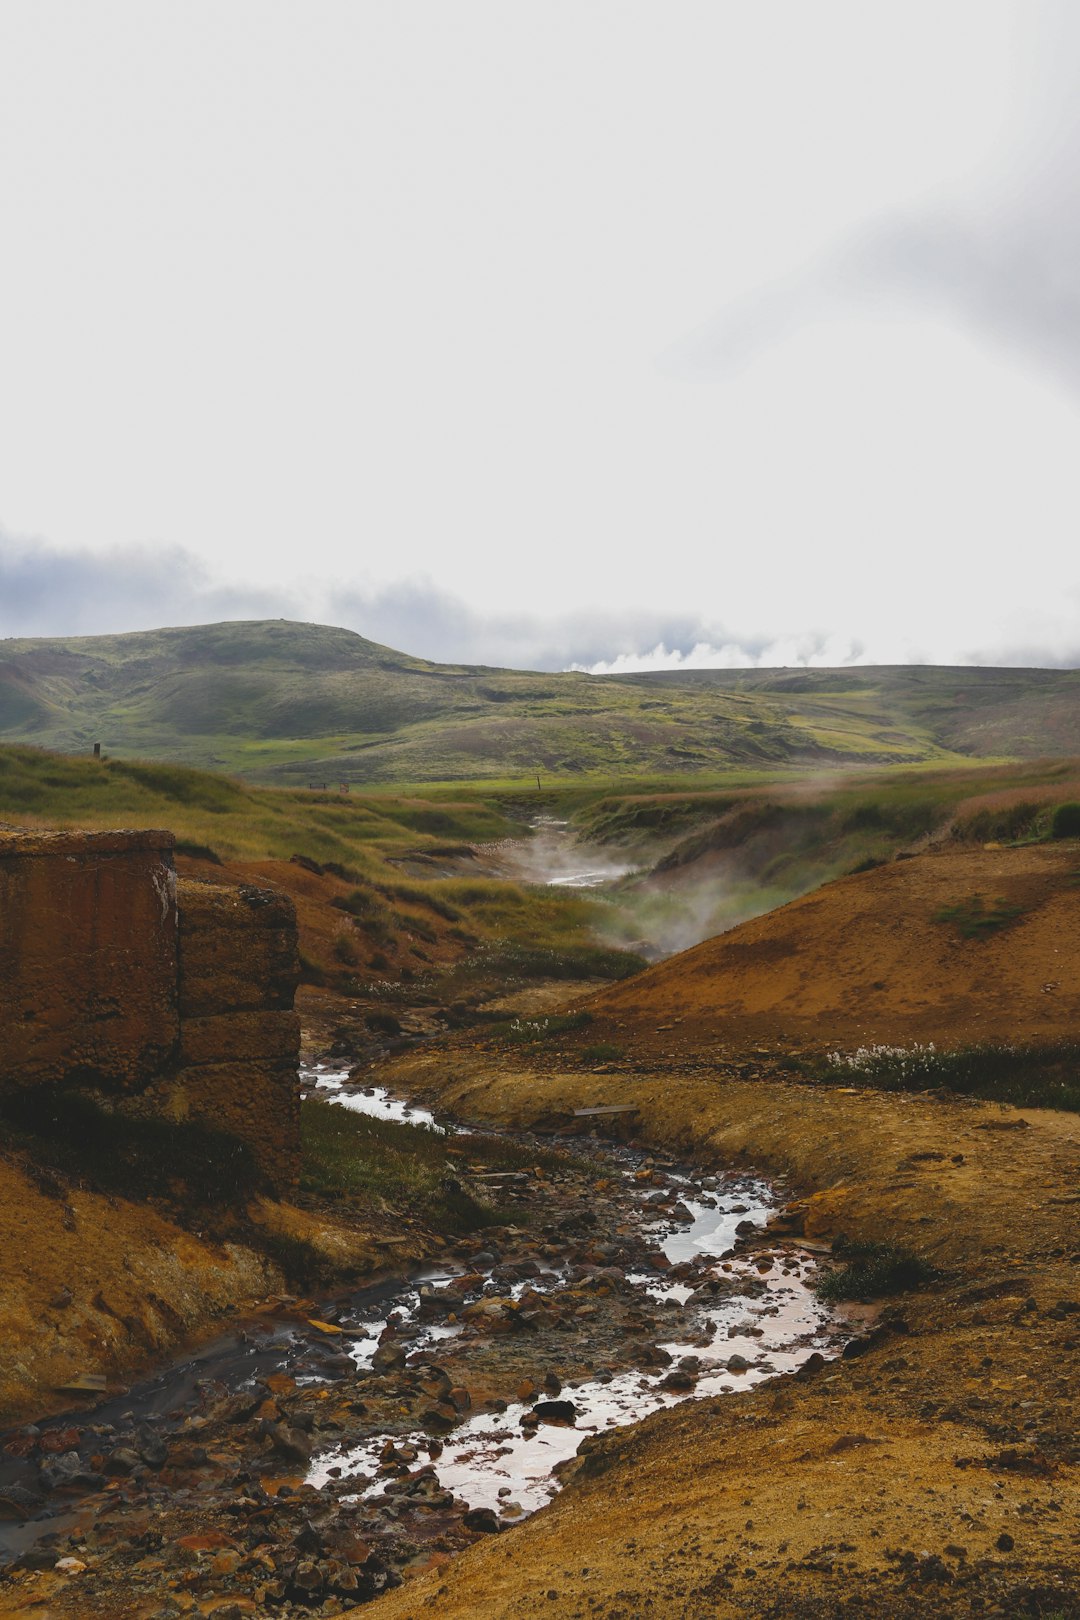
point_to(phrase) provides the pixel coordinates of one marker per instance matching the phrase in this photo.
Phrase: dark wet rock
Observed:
(649, 1355)
(291, 1443)
(555, 1411)
(862, 1342)
(433, 1381)
(308, 1539)
(68, 1472)
(439, 1303)
(485, 1519)
(123, 1460)
(238, 1408)
(439, 1418)
(811, 1366)
(17, 1502)
(388, 1358)
(151, 1447)
(307, 1580)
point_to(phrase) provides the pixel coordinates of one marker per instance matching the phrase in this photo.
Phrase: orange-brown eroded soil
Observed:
(864, 960)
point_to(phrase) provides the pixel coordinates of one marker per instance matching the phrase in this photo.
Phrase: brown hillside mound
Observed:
(870, 959)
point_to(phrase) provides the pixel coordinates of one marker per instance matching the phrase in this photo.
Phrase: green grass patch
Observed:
(398, 1168)
(1065, 822)
(507, 959)
(976, 918)
(872, 1270)
(602, 1052)
(531, 1031)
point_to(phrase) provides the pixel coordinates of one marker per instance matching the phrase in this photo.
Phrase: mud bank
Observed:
(936, 1473)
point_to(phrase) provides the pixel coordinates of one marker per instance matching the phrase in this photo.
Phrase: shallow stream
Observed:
(555, 857)
(499, 1459)
(636, 1245)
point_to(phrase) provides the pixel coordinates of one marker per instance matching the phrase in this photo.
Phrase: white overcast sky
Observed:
(540, 331)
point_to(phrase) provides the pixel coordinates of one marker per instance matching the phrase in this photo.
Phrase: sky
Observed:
(546, 332)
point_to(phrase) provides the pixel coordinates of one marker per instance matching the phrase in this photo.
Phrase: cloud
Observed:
(811, 651)
(47, 591)
(998, 255)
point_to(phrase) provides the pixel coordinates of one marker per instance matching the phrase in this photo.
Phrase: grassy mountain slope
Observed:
(279, 701)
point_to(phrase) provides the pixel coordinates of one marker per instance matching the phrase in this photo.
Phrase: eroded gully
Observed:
(322, 1451)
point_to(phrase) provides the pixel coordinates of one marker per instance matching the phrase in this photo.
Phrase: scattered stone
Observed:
(482, 1518)
(388, 1358)
(291, 1443)
(555, 1411)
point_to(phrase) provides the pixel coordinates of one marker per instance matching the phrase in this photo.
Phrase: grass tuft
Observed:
(973, 918)
(396, 1168)
(872, 1270)
(1038, 1074)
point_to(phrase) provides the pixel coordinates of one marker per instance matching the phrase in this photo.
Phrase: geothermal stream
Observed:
(554, 857)
(762, 1320)
(717, 1310)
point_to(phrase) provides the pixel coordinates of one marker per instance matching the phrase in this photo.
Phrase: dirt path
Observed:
(938, 1473)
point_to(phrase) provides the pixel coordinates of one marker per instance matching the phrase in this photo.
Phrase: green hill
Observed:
(283, 702)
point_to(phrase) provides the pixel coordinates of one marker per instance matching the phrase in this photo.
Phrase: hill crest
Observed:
(281, 700)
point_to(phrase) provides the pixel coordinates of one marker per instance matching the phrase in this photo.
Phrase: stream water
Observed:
(736, 1316)
(500, 1459)
(554, 857)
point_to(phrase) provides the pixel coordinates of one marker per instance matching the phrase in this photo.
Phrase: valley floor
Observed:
(935, 1473)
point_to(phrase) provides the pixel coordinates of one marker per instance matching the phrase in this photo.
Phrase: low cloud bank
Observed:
(46, 591)
(810, 652)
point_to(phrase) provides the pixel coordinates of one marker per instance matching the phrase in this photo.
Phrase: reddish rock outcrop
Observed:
(88, 981)
(239, 1037)
(174, 998)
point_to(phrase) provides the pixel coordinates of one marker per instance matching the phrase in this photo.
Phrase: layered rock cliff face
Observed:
(174, 998)
(239, 1037)
(88, 958)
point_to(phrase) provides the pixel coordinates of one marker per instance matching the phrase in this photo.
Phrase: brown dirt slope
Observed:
(863, 960)
(95, 1284)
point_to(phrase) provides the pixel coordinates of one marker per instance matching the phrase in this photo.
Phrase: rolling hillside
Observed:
(279, 701)
(958, 947)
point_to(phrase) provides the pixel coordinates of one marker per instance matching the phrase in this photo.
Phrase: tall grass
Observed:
(1042, 1074)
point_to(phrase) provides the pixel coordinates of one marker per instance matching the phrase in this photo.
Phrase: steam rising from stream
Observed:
(653, 914)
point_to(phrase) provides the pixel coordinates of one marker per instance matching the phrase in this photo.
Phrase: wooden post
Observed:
(97, 750)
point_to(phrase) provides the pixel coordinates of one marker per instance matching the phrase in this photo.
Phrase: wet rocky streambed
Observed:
(323, 1450)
